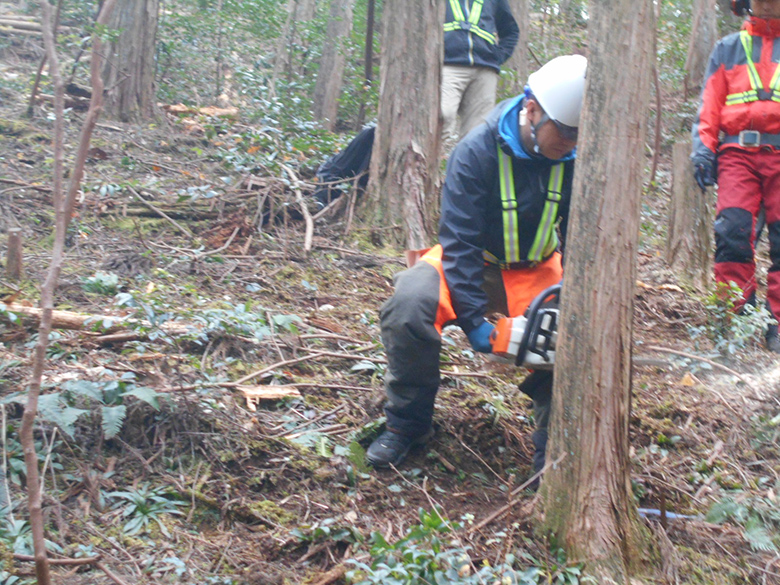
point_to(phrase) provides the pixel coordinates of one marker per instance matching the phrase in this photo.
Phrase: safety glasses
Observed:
(569, 133)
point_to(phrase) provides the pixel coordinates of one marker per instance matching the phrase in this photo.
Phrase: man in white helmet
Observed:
(505, 204)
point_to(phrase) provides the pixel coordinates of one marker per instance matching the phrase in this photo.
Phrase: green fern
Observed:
(759, 517)
(757, 536)
(112, 419)
(61, 408)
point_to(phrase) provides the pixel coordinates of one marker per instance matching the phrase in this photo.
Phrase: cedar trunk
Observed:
(405, 159)
(689, 241)
(331, 73)
(515, 69)
(704, 33)
(587, 499)
(128, 73)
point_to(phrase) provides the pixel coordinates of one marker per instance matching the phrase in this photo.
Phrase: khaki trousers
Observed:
(468, 93)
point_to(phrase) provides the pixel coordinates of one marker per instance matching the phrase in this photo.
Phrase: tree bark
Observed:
(331, 74)
(689, 240)
(515, 70)
(405, 159)
(587, 502)
(129, 68)
(704, 34)
(368, 62)
(281, 56)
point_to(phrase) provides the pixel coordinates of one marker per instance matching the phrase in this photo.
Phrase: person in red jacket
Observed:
(738, 127)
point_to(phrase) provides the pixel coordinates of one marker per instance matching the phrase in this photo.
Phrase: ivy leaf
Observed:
(53, 409)
(146, 394)
(113, 416)
(288, 322)
(84, 388)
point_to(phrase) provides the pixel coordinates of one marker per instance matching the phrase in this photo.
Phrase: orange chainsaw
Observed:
(530, 339)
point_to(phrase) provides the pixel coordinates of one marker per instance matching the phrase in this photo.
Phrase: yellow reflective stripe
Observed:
(775, 83)
(747, 44)
(509, 205)
(545, 234)
(742, 98)
(457, 11)
(473, 29)
(476, 12)
(484, 34)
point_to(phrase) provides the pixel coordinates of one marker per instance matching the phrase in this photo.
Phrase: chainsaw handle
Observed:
(553, 291)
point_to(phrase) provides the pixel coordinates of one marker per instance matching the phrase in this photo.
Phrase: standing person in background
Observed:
(479, 35)
(741, 101)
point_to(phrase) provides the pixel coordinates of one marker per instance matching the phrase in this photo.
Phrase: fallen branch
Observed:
(78, 321)
(115, 578)
(304, 210)
(161, 213)
(333, 575)
(26, 185)
(60, 562)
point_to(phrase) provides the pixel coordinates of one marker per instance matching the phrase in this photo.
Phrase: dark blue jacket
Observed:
(471, 212)
(464, 48)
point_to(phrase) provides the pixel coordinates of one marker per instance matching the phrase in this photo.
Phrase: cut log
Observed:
(13, 263)
(254, 394)
(80, 321)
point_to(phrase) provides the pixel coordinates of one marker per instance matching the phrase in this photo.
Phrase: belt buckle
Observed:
(750, 138)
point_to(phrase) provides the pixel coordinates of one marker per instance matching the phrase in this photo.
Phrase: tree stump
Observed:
(689, 237)
(13, 264)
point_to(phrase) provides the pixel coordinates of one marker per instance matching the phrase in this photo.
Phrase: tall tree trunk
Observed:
(515, 69)
(128, 73)
(368, 64)
(405, 160)
(587, 498)
(689, 240)
(331, 73)
(282, 54)
(704, 33)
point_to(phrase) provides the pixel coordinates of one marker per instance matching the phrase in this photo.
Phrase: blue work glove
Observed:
(704, 173)
(480, 338)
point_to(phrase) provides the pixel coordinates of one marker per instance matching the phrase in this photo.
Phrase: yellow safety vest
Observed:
(757, 92)
(470, 24)
(546, 240)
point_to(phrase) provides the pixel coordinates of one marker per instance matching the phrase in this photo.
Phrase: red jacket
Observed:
(727, 74)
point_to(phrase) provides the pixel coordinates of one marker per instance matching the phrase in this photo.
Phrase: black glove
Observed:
(704, 173)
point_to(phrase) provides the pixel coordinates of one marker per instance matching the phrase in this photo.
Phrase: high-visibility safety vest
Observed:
(471, 23)
(546, 240)
(757, 93)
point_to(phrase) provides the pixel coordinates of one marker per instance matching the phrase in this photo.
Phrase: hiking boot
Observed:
(391, 448)
(772, 339)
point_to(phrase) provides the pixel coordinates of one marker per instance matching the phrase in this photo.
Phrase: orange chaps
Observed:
(412, 321)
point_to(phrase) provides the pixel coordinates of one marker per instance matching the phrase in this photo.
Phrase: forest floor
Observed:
(275, 491)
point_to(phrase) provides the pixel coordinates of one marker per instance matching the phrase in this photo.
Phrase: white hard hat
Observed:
(558, 87)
